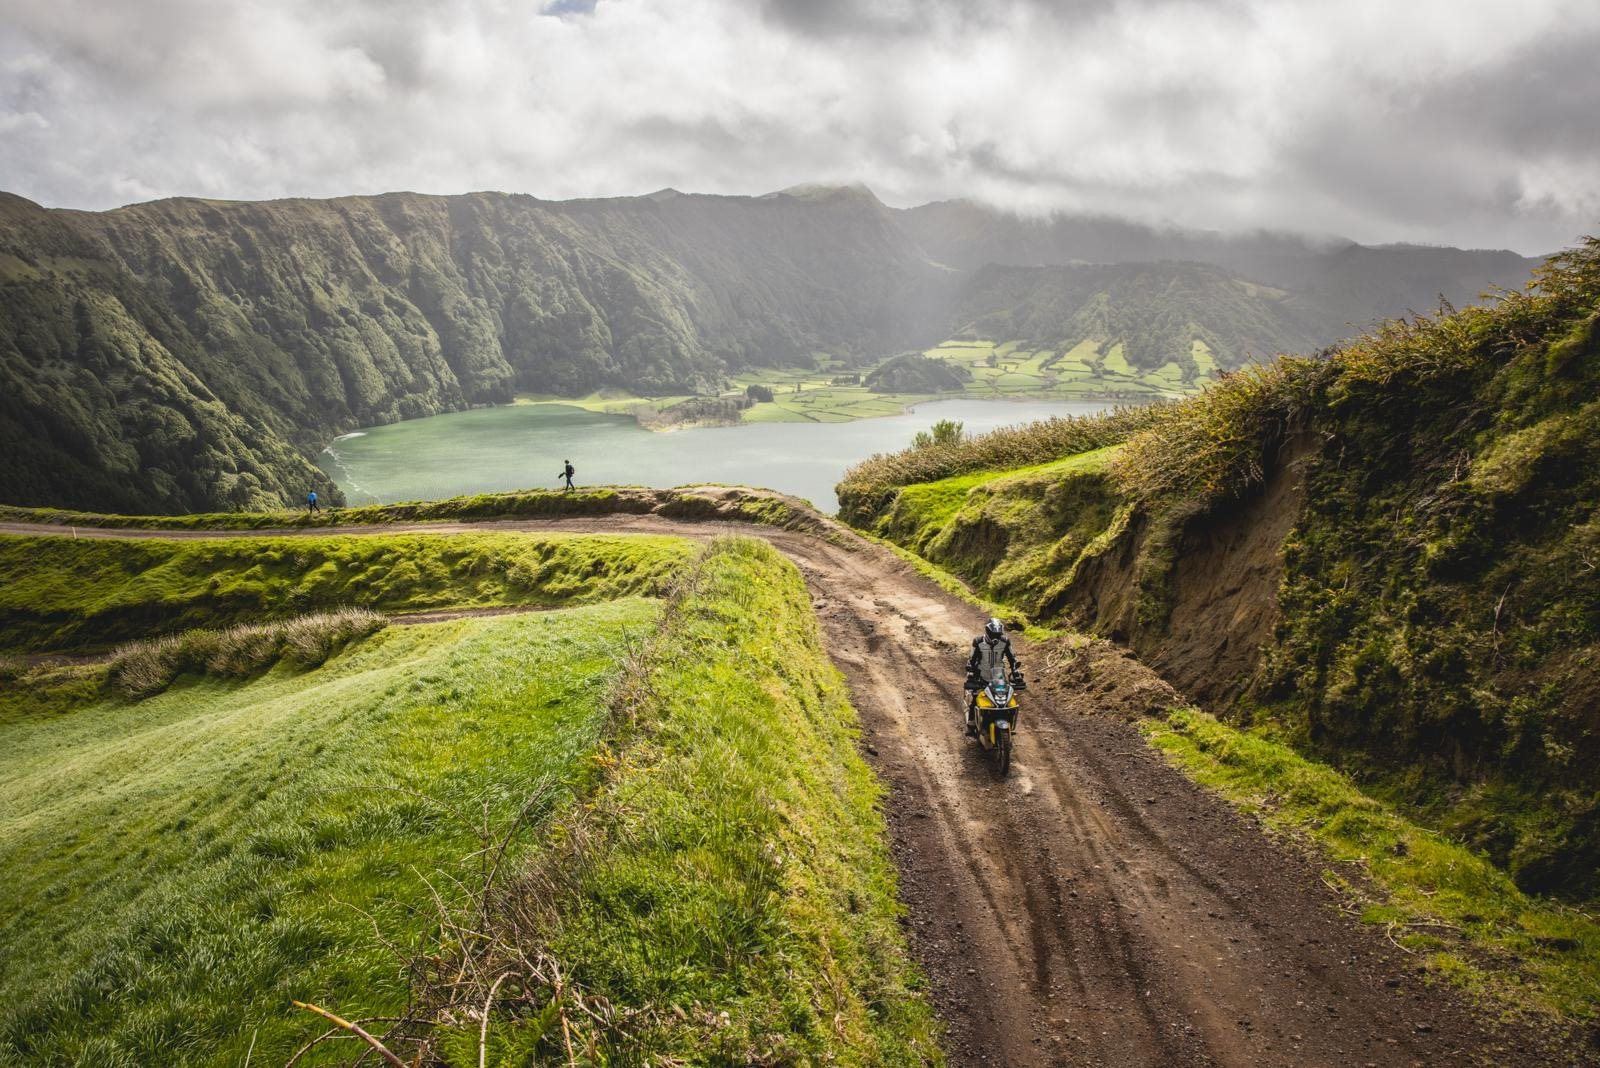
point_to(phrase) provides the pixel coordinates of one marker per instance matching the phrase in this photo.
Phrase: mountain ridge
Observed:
(192, 353)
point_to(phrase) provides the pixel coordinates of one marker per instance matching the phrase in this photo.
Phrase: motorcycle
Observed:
(993, 712)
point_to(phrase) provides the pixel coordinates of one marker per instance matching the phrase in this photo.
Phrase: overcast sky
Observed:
(1451, 121)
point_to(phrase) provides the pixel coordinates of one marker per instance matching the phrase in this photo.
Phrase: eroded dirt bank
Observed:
(1094, 908)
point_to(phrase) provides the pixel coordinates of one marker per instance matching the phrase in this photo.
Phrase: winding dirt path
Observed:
(1095, 907)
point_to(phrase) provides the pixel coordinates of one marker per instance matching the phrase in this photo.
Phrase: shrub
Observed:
(1214, 444)
(944, 432)
(758, 393)
(141, 669)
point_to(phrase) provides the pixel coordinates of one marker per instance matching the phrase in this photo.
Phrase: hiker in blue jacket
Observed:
(311, 502)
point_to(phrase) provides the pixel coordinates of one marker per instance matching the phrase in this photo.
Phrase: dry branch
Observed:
(355, 1029)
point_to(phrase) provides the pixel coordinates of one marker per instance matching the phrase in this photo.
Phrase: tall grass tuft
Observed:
(868, 487)
(140, 669)
(1214, 445)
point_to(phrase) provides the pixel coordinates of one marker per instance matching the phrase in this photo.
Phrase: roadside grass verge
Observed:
(922, 510)
(1013, 616)
(140, 669)
(178, 870)
(691, 502)
(62, 592)
(728, 891)
(1457, 913)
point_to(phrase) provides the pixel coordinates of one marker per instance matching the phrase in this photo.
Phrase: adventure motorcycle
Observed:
(992, 715)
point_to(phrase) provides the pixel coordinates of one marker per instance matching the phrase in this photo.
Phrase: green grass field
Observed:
(1076, 372)
(62, 592)
(179, 869)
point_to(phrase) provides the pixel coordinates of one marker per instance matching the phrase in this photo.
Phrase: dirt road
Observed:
(1094, 908)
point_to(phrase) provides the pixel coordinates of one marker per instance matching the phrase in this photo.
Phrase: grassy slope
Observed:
(734, 861)
(60, 592)
(1012, 535)
(1457, 912)
(734, 867)
(178, 869)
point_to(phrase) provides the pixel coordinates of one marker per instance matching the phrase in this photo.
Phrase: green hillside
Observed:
(192, 354)
(1385, 557)
(195, 355)
(550, 798)
(1155, 312)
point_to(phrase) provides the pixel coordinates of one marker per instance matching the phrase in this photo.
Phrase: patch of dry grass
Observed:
(140, 669)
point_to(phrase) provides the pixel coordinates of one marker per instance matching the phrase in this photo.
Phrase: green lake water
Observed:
(521, 446)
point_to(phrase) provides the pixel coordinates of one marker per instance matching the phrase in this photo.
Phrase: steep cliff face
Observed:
(186, 353)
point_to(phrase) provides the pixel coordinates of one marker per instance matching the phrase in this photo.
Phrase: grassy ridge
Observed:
(730, 503)
(139, 669)
(178, 870)
(61, 592)
(870, 487)
(730, 880)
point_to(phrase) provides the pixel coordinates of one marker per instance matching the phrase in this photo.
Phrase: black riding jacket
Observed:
(988, 655)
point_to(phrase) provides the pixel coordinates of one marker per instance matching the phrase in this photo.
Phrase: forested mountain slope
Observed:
(216, 345)
(188, 354)
(1339, 287)
(1157, 311)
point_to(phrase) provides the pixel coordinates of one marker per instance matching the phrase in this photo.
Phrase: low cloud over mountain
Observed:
(1459, 123)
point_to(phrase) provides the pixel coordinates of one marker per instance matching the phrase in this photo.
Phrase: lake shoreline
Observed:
(629, 406)
(525, 445)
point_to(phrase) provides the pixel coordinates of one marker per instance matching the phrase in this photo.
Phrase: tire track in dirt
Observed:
(1094, 908)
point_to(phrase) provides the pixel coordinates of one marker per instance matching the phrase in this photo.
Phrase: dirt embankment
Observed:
(1196, 596)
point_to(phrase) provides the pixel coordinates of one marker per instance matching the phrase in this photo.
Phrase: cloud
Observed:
(1455, 122)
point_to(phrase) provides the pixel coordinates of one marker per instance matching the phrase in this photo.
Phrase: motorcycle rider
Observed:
(991, 659)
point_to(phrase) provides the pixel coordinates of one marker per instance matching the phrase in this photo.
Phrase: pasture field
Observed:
(670, 783)
(180, 868)
(1089, 368)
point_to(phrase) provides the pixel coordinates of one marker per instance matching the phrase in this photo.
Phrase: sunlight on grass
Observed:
(1450, 907)
(178, 869)
(58, 592)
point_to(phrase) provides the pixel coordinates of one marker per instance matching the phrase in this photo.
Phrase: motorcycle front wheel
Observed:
(1002, 746)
